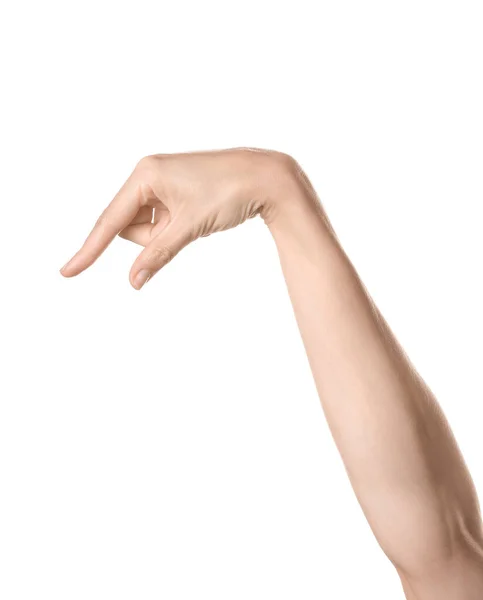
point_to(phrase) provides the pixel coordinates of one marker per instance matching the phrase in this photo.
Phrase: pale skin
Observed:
(399, 452)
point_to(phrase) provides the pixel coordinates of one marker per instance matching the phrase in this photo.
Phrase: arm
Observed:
(399, 453)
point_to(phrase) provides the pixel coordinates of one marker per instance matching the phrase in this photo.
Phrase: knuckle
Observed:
(103, 220)
(159, 255)
(147, 163)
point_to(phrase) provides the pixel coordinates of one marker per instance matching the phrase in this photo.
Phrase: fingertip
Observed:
(72, 267)
(65, 270)
(132, 279)
(139, 278)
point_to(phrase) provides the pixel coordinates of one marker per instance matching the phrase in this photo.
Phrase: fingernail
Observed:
(141, 278)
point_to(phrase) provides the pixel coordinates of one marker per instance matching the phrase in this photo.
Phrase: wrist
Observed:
(292, 208)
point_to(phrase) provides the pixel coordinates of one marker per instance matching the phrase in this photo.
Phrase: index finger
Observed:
(118, 214)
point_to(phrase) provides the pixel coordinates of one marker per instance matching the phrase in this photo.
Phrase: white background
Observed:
(169, 443)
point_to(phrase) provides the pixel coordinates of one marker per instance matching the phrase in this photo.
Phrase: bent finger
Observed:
(161, 250)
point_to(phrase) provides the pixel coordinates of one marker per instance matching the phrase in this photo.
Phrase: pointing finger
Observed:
(120, 212)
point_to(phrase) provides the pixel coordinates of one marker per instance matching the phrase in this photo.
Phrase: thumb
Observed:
(165, 246)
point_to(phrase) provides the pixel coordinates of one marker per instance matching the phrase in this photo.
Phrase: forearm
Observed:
(399, 452)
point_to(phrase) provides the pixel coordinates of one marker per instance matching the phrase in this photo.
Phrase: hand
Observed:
(171, 200)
